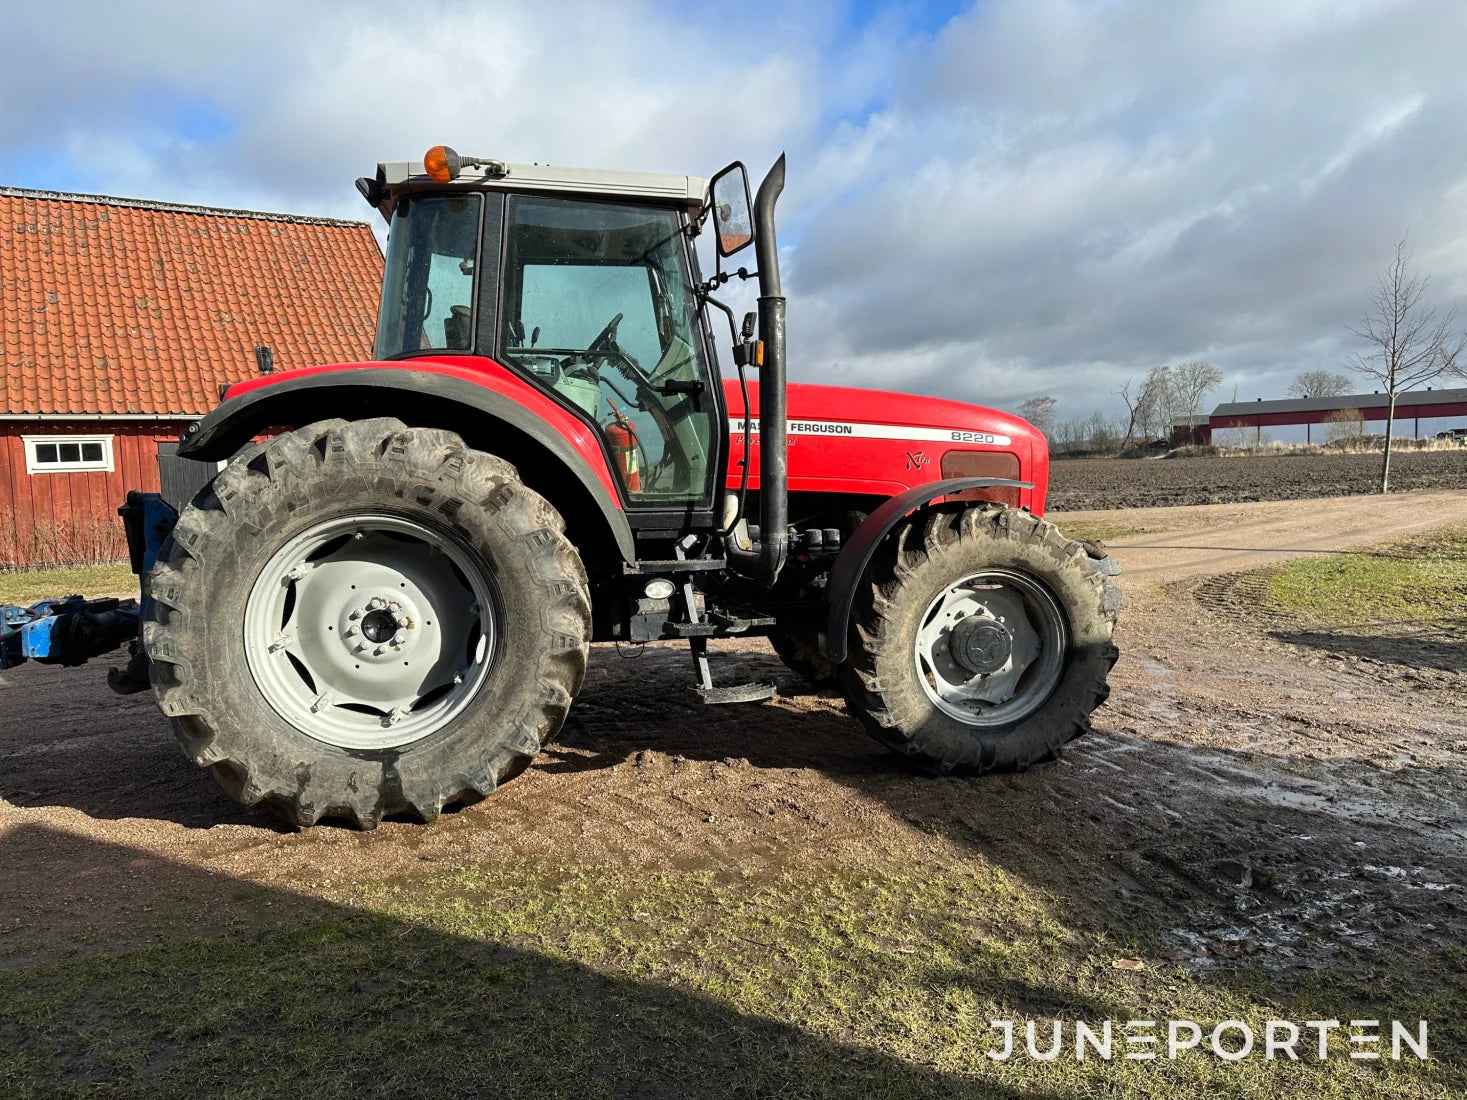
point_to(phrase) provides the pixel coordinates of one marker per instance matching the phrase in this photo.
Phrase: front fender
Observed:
(855, 556)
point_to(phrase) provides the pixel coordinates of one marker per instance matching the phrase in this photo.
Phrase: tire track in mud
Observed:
(1314, 827)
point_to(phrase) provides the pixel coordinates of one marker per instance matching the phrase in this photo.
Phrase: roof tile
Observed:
(121, 306)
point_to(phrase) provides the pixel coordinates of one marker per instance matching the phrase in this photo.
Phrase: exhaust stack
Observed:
(769, 557)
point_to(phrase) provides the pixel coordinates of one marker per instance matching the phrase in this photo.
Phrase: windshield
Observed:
(599, 307)
(428, 287)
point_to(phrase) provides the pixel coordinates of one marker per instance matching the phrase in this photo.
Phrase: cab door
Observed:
(599, 307)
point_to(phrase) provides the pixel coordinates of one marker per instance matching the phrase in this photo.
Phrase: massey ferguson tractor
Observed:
(383, 604)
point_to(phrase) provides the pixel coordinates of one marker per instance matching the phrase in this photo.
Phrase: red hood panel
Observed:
(869, 441)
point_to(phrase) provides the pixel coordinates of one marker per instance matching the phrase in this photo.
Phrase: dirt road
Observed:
(1247, 795)
(1201, 540)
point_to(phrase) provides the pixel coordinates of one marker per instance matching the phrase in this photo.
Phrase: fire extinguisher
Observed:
(623, 440)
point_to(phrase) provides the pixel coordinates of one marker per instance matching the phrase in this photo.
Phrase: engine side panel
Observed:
(844, 440)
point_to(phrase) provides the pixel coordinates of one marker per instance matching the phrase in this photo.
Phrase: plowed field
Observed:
(1156, 482)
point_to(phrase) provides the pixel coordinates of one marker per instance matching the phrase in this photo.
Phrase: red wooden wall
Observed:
(46, 518)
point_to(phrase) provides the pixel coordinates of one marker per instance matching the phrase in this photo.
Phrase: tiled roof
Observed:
(116, 306)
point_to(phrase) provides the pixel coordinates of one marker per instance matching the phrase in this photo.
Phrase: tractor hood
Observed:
(873, 442)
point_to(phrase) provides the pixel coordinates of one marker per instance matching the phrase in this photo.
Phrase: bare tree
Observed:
(1067, 437)
(1151, 407)
(1039, 411)
(1191, 382)
(1409, 344)
(1133, 411)
(1103, 433)
(1320, 383)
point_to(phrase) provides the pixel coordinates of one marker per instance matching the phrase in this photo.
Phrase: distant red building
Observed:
(119, 322)
(1412, 405)
(1254, 416)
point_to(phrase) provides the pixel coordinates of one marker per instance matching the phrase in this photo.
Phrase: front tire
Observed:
(361, 619)
(982, 641)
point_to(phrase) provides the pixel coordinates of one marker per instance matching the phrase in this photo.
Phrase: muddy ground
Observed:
(1254, 792)
(1157, 482)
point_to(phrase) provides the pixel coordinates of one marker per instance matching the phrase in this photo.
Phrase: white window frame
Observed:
(80, 466)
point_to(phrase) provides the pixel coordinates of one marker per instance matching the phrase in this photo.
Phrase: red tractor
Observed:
(384, 603)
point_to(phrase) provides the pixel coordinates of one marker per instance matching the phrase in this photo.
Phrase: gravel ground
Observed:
(1156, 482)
(1303, 805)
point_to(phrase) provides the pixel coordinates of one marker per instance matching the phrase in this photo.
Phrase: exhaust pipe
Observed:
(768, 557)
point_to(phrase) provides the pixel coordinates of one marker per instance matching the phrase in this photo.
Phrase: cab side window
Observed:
(597, 308)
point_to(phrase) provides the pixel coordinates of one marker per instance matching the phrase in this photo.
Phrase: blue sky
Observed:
(986, 201)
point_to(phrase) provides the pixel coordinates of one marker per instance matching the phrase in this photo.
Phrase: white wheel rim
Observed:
(371, 632)
(990, 649)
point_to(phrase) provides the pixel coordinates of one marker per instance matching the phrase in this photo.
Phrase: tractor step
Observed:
(674, 565)
(737, 693)
(718, 625)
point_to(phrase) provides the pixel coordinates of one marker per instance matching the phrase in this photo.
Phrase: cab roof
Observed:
(398, 177)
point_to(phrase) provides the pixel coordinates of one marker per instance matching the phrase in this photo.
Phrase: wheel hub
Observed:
(379, 626)
(371, 632)
(991, 647)
(980, 645)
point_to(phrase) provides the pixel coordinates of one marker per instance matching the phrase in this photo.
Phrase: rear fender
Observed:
(556, 454)
(851, 563)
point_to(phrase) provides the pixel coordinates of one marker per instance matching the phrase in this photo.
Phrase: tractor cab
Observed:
(583, 282)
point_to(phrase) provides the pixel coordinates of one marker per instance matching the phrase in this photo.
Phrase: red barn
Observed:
(119, 321)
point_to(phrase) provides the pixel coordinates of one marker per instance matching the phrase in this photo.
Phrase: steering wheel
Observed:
(607, 340)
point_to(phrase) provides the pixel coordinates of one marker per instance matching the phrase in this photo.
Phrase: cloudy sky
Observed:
(986, 200)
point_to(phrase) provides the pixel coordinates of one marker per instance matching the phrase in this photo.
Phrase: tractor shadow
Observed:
(218, 985)
(1424, 650)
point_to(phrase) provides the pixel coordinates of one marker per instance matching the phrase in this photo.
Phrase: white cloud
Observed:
(1074, 192)
(1043, 195)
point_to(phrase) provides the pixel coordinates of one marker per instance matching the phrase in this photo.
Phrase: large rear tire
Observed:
(357, 620)
(982, 641)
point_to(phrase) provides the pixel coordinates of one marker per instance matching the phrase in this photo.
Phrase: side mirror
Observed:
(733, 215)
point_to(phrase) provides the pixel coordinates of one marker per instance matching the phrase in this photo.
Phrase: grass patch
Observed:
(529, 980)
(1422, 579)
(34, 585)
(1095, 531)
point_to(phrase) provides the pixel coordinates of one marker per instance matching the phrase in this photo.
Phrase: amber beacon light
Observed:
(442, 164)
